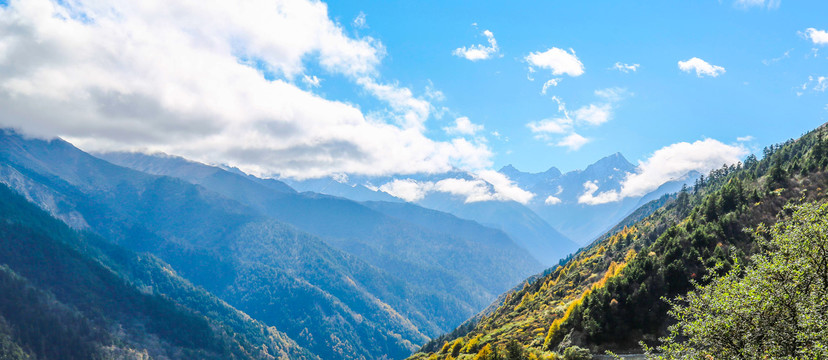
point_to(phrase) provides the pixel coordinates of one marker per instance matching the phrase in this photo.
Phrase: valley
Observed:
(429, 180)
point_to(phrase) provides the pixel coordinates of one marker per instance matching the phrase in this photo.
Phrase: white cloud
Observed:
(744, 138)
(463, 126)
(551, 200)
(557, 60)
(479, 51)
(594, 114)
(588, 115)
(407, 189)
(821, 83)
(818, 37)
(360, 21)
(669, 163)
(433, 94)
(311, 80)
(573, 141)
(505, 188)
(550, 126)
(550, 83)
(131, 75)
(614, 94)
(411, 112)
(486, 185)
(625, 68)
(785, 55)
(701, 67)
(589, 197)
(816, 83)
(770, 4)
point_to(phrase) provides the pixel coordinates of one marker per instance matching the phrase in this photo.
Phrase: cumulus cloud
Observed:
(573, 141)
(486, 185)
(625, 68)
(669, 163)
(559, 61)
(219, 87)
(594, 114)
(463, 126)
(551, 200)
(818, 37)
(701, 67)
(479, 51)
(769, 4)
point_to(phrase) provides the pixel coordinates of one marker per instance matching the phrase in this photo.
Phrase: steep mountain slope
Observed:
(611, 294)
(466, 272)
(331, 303)
(71, 295)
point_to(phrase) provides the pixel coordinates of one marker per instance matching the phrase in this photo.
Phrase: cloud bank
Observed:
(486, 185)
(220, 84)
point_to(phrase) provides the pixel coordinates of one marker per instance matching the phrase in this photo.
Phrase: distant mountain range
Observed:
(553, 224)
(459, 254)
(578, 220)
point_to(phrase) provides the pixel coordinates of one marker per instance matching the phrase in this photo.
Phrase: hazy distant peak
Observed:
(508, 169)
(614, 162)
(527, 179)
(553, 172)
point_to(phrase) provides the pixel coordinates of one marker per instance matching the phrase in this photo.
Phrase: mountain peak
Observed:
(612, 162)
(553, 172)
(512, 172)
(508, 169)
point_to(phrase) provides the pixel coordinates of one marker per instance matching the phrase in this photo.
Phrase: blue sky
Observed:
(301, 89)
(765, 53)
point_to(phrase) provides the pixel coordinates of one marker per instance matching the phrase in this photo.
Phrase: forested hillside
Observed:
(612, 294)
(461, 263)
(329, 302)
(73, 295)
